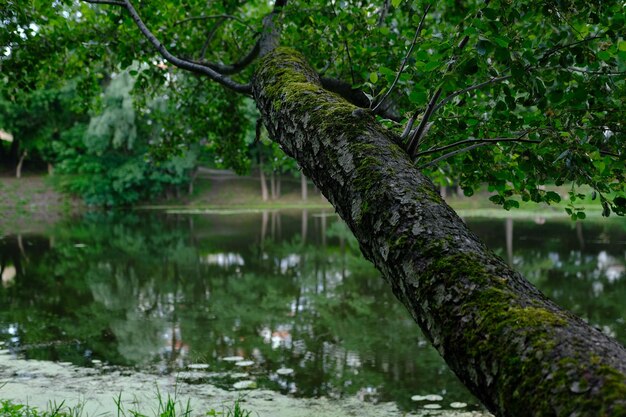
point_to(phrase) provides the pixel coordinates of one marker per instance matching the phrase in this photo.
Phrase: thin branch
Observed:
(470, 88)
(181, 63)
(237, 66)
(406, 58)
(111, 2)
(607, 153)
(584, 71)
(384, 9)
(345, 44)
(209, 37)
(355, 96)
(556, 49)
(481, 142)
(416, 137)
(465, 141)
(424, 125)
(346, 47)
(451, 154)
(214, 16)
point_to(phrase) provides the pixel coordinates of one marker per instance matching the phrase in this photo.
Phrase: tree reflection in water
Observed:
(287, 290)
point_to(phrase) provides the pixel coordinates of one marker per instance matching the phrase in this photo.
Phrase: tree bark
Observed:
(515, 349)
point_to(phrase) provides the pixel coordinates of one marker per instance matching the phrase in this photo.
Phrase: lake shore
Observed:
(95, 391)
(31, 204)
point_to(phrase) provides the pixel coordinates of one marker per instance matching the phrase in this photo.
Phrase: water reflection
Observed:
(287, 291)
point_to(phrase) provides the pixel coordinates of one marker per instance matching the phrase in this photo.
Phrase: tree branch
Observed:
(181, 63)
(406, 58)
(463, 142)
(237, 66)
(477, 143)
(556, 49)
(111, 2)
(416, 137)
(451, 154)
(470, 88)
(209, 37)
(214, 16)
(355, 96)
(271, 34)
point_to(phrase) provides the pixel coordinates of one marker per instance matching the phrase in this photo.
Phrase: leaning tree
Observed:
(376, 99)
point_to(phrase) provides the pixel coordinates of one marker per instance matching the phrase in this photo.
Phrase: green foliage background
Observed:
(553, 73)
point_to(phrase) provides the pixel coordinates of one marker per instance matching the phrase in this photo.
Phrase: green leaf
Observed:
(396, 3)
(552, 197)
(373, 77)
(431, 66)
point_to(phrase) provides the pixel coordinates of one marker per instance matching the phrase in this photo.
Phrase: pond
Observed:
(281, 300)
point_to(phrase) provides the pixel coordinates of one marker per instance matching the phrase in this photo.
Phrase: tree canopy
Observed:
(512, 94)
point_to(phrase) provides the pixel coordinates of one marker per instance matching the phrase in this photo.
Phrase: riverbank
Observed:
(32, 204)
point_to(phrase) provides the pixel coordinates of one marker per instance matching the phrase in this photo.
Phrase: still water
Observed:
(283, 299)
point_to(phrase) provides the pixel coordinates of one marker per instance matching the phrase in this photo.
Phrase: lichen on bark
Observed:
(517, 351)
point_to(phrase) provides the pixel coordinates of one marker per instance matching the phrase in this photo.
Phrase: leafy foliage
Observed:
(105, 161)
(530, 95)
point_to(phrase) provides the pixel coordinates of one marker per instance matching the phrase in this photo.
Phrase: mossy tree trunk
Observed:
(517, 351)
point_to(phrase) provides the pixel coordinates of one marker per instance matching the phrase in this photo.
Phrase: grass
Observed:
(167, 406)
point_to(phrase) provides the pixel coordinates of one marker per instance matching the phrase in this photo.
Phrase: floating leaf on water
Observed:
(245, 363)
(458, 405)
(80, 245)
(284, 371)
(191, 376)
(432, 406)
(430, 397)
(244, 385)
(239, 375)
(233, 358)
(96, 361)
(198, 366)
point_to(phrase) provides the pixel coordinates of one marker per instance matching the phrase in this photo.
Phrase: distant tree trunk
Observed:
(192, 180)
(50, 169)
(18, 170)
(273, 184)
(303, 187)
(279, 181)
(515, 349)
(264, 193)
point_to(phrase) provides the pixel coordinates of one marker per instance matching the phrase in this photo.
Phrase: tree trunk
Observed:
(278, 184)
(264, 193)
(18, 169)
(192, 180)
(303, 187)
(516, 350)
(273, 184)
